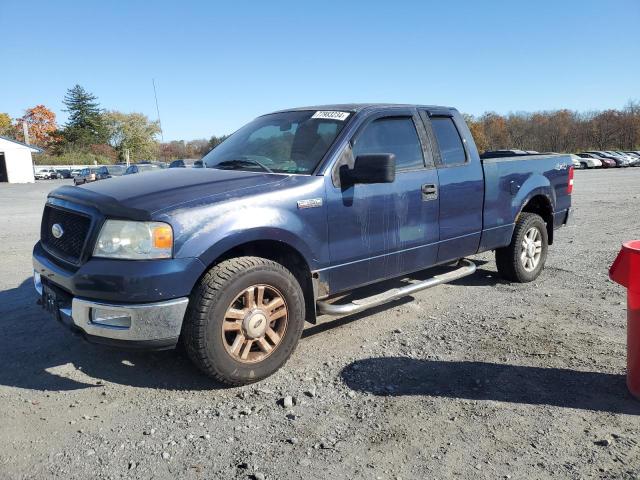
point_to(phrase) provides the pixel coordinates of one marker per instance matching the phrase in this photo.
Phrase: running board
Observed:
(467, 267)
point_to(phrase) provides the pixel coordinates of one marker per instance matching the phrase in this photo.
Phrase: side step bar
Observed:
(466, 267)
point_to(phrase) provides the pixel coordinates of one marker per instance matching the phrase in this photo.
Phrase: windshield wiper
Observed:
(244, 161)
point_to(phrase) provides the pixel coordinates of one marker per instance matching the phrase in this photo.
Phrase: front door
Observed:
(380, 231)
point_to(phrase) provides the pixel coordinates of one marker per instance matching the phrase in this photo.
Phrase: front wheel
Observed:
(524, 258)
(244, 320)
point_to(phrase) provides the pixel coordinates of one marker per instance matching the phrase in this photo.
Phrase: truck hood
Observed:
(139, 196)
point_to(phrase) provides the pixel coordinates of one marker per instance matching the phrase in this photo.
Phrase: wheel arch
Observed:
(278, 251)
(540, 204)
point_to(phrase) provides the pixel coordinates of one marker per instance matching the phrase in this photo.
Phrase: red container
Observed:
(626, 271)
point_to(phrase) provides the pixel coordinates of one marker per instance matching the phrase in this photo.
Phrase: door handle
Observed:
(429, 191)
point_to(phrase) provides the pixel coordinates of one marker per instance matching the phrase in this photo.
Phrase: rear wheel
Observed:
(244, 320)
(524, 258)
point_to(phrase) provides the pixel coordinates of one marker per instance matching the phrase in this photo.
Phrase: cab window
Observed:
(395, 135)
(449, 141)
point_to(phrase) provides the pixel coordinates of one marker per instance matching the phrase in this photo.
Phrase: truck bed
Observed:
(510, 182)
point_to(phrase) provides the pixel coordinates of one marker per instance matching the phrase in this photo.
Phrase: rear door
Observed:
(461, 184)
(379, 231)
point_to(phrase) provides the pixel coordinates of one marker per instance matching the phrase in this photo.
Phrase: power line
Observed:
(155, 94)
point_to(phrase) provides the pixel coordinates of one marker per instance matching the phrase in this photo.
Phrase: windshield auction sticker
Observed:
(329, 115)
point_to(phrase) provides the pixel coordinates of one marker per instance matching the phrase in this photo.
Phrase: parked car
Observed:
(157, 163)
(108, 171)
(588, 160)
(634, 158)
(629, 158)
(620, 162)
(187, 162)
(64, 173)
(582, 163)
(575, 160)
(75, 172)
(86, 175)
(142, 168)
(604, 161)
(294, 210)
(41, 175)
(46, 174)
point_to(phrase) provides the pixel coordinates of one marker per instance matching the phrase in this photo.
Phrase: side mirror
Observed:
(374, 168)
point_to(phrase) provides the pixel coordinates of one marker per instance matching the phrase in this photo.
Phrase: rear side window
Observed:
(449, 141)
(395, 135)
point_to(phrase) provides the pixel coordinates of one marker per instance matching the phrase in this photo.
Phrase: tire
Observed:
(509, 260)
(583, 166)
(221, 292)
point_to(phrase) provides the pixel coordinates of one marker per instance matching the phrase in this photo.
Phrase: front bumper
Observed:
(154, 325)
(121, 281)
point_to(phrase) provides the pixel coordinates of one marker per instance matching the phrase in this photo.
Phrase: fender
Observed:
(237, 238)
(534, 185)
(209, 233)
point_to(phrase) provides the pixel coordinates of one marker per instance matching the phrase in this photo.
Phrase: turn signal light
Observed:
(162, 237)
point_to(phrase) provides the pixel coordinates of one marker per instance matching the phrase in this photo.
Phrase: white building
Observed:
(16, 164)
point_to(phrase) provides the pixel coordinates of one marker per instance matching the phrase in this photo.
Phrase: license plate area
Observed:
(51, 301)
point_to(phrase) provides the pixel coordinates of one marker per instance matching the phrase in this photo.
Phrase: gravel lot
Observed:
(478, 379)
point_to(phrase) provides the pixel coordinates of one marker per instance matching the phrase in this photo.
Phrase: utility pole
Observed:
(25, 132)
(155, 94)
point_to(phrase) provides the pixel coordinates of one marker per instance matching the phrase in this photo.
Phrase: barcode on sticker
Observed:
(329, 115)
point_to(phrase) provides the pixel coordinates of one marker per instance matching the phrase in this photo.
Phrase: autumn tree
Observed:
(215, 141)
(6, 126)
(85, 125)
(198, 148)
(184, 149)
(559, 130)
(41, 124)
(495, 129)
(477, 132)
(133, 132)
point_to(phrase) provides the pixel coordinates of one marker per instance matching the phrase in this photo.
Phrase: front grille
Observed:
(75, 228)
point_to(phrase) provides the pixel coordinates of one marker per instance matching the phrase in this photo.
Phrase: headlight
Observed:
(134, 240)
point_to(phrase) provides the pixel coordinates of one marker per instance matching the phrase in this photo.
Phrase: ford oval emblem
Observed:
(57, 230)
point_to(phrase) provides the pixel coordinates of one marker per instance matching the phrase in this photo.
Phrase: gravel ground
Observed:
(478, 379)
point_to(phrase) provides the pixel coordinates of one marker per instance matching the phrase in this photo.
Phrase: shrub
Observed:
(72, 158)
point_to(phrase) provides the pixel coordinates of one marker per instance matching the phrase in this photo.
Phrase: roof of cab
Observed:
(358, 107)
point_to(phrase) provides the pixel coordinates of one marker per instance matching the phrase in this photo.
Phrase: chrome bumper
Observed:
(157, 324)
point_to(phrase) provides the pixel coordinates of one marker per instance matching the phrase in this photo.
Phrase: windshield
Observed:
(287, 142)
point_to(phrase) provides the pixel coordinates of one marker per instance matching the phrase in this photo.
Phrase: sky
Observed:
(218, 65)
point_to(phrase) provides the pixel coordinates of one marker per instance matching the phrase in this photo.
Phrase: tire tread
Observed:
(507, 258)
(204, 296)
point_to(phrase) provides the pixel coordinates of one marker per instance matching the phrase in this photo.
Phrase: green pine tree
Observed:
(86, 125)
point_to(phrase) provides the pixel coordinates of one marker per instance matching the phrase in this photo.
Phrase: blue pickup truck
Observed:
(292, 211)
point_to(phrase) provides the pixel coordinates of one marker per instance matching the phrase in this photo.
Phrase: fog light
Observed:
(110, 318)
